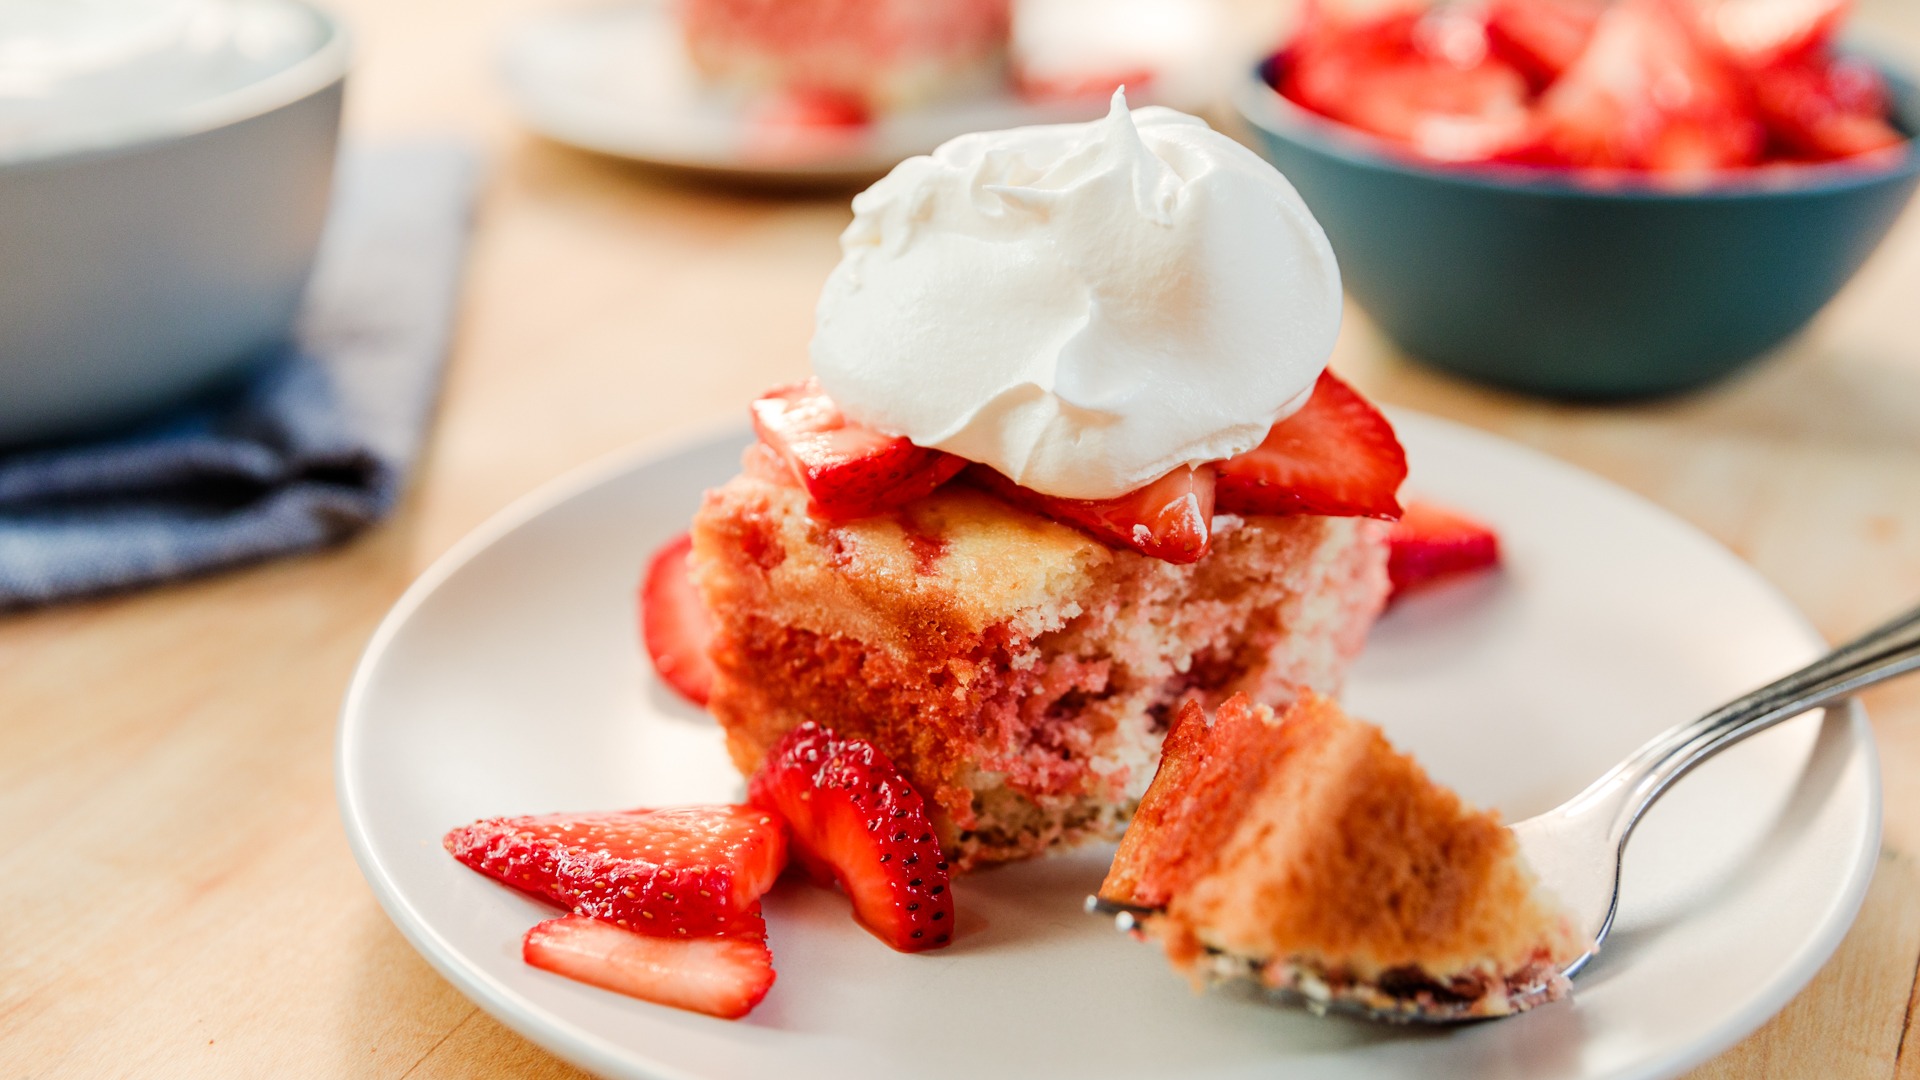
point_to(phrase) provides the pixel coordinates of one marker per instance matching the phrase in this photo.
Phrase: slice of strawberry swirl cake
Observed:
(1019, 664)
(1070, 460)
(872, 54)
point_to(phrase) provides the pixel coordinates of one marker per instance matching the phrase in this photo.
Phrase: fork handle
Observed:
(1890, 650)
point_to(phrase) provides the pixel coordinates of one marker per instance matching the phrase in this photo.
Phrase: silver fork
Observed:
(1576, 847)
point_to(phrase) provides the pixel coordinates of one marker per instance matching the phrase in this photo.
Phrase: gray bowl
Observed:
(1552, 286)
(138, 269)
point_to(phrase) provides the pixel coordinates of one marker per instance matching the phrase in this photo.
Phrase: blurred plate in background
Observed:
(617, 80)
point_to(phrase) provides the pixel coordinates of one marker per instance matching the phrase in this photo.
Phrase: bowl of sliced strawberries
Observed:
(1589, 199)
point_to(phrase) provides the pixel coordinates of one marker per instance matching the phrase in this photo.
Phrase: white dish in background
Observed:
(616, 80)
(78, 75)
(510, 680)
(165, 169)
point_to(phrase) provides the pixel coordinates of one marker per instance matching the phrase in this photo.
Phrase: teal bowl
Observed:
(1555, 286)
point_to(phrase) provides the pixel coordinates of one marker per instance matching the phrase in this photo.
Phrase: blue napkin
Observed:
(313, 446)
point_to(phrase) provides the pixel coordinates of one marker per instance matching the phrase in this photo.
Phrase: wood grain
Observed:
(178, 897)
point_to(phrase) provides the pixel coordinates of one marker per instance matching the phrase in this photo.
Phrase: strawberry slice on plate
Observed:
(1171, 518)
(1431, 544)
(857, 821)
(810, 107)
(724, 976)
(1646, 94)
(1337, 456)
(674, 622)
(848, 469)
(685, 871)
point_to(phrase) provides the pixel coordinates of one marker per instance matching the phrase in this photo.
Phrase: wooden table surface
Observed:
(177, 895)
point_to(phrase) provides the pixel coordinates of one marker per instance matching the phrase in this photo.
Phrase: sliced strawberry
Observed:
(857, 821)
(1815, 105)
(686, 871)
(724, 976)
(1171, 518)
(848, 469)
(1427, 80)
(1542, 37)
(1337, 456)
(804, 107)
(1646, 94)
(1430, 544)
(1822, 107)
(674, 622)
(1756, 33)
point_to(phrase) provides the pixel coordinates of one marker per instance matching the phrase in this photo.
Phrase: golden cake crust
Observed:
(955, 563)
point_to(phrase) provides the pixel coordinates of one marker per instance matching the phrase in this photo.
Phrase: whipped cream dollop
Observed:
(1083, 307)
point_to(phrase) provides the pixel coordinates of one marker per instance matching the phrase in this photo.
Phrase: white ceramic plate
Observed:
(509, 680)
(617, 80)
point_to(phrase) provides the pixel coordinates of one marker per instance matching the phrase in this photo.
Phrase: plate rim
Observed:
(580, 1048)
(588, 1051)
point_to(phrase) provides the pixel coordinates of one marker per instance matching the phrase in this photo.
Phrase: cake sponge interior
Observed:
(1302, 849)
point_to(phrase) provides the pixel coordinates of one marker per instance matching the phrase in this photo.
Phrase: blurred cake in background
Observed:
(869, 55)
